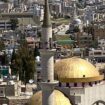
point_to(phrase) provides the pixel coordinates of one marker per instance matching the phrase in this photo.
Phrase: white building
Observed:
(37, 10)
(89, 15)
(101, 43)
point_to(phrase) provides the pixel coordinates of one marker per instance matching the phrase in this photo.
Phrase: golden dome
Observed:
(76, 70)
(60, 99)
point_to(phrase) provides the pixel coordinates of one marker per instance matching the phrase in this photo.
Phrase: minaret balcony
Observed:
(47, 85)
(47, 51)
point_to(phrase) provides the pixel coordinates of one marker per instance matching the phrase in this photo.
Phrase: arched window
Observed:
(99, 102)
(75, 84)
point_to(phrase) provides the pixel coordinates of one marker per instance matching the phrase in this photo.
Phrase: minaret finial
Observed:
(46, 20)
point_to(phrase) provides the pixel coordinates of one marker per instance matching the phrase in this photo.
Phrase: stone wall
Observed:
(94, 95)
(18, 102)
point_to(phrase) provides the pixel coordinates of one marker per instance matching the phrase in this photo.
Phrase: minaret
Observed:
(47, 60)
(75, 10)
(46, 40)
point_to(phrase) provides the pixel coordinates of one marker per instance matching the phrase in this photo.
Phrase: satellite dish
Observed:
(31, 81)
(5, 76)
(14, 77)
(11, 82)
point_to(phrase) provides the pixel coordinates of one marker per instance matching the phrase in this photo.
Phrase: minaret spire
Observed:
(46, 21)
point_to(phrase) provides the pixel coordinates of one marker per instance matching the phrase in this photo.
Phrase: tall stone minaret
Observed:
(75, 10)
(47, 60)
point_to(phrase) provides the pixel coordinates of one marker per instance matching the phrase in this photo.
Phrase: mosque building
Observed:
(70, 81)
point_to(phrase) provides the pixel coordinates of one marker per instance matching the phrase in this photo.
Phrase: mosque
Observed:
(70, 81)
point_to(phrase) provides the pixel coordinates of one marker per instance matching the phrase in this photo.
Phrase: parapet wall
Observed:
(18, 102)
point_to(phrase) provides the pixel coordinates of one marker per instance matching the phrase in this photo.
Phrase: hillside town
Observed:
(52, 52)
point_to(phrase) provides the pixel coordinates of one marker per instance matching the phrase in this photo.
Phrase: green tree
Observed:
(76, 29)
(95, 44)
(90, 30)
(5, 59)
(24, 63)
(36, 52)
(14, 23)
(15, 63)
(28, 63)
(2, 46)
(13, 55)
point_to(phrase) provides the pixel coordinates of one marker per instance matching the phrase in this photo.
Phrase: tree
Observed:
(2, 46)
(90, 30)
(76, 29)
(36, 52)
(13, 55)
(14, 23)
(4, 59)
(95, 44)
(28, 63)
(24, 63)
(15, 63)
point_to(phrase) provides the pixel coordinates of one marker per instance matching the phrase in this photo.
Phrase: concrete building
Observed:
(99, 30)
(17, 3)
(5, 7)
(5, 25)
(101, 43)
(98, 55)
(89, 15)
(56, 7)
(36, 9)
(83, 39)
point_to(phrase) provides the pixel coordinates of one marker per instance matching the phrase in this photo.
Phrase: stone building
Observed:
(83, 39)
(99, 30)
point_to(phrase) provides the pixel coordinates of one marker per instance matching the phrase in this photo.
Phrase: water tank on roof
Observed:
(11, 83)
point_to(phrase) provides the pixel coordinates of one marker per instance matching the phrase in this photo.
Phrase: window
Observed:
(67, 85)
(90, 83)
(75, 84)
(83, 84)
(60, 84)
(1, 92)
(97, 53)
